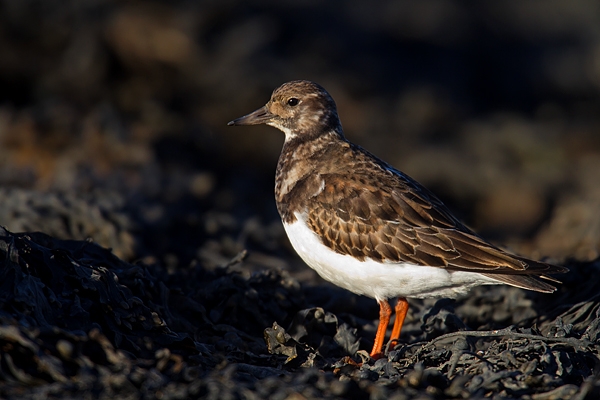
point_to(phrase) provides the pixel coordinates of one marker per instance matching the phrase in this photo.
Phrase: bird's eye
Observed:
(293, 101)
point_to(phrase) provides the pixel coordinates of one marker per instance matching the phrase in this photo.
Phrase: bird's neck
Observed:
(299, 168)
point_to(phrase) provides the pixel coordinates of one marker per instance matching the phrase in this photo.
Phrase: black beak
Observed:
(260, 116)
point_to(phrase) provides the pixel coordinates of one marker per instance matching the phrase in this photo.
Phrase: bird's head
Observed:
(301, 109)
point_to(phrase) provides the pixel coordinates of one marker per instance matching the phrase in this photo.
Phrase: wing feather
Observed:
(408, 223)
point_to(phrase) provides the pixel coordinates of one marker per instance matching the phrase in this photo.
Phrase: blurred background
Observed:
(113, 116)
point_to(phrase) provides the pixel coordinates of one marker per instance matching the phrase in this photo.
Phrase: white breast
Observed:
(376, 279)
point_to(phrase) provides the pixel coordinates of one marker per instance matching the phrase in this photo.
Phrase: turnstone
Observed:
(369, 228)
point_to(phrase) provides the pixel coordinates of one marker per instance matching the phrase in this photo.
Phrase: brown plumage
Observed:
(359, 206)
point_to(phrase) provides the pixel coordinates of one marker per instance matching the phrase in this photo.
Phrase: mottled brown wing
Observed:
(396, 219)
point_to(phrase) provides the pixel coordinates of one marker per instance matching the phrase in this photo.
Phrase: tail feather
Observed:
(524, 282)
(542, 267)
(526, 278)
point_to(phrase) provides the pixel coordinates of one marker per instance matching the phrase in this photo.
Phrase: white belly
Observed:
(376, 279)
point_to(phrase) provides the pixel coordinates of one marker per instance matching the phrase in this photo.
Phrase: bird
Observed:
(367, 227)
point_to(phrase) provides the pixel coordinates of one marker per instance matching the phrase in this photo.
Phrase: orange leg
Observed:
(385, 313)
(401, 310)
